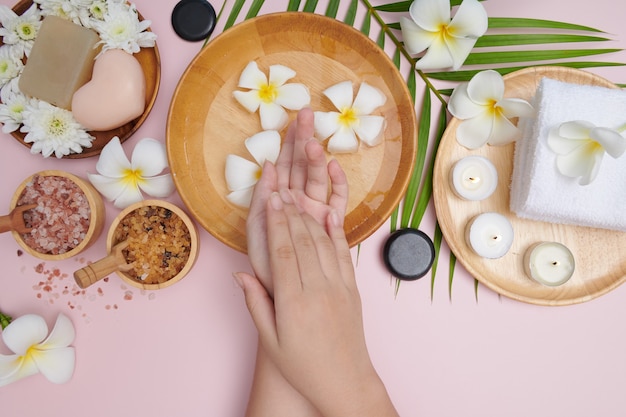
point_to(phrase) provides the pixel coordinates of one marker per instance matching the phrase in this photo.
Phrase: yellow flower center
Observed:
(258, 173)
(27, 31)
(348, 117)
(133, 177)
(268, 93)
(57, 127)
(493, 108)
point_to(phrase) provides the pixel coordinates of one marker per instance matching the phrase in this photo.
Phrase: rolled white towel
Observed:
(538, 190)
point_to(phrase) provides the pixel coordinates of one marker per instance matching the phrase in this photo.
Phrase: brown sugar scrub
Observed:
(158, 243)
(61, 220)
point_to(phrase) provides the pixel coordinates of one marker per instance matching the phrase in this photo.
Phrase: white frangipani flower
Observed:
(11, 64)
(11, 109)
(353, 120)
(34, 350)
(121, 29)
(271, 97)
(581, 145)
(122, 181)
(20, 30)
(242, 174)
(449, 42)
(480, 103)
(53, 130)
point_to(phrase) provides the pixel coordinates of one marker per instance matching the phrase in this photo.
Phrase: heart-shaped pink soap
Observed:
(115, 95)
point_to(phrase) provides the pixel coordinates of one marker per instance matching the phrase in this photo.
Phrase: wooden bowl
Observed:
(150, 61)
(116, 260)
(96, 221)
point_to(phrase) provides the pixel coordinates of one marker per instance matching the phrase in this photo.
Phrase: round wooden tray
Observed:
(205, 123)
(599, 254)
(150, 61)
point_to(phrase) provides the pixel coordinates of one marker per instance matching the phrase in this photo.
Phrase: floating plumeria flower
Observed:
(53, 130)
(485, 112)
(37, 351)
(11, 64)
(242, 174)
(120, 28)
(353, 120)
(12, 109)
(581, 146)
(122, 181)
(449, 42)
(271, 97)
(20, 30)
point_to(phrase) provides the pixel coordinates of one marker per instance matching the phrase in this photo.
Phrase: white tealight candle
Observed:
(549, 263)
(474, 178)
(490, 235)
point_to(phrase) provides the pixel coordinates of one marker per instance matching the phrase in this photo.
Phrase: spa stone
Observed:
(408, 254)
(193, 20)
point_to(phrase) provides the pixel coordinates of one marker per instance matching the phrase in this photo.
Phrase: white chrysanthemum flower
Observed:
(121, 181)
(581, 145)
(242, 174)
(76, 11)
(354, 120)
(37, 351)
(271, 96)
(20, 30)
(53, 130)
(98, 9)
(485, 113)
(11, 64)
(121, 29)
(449, 41)
(12, 108)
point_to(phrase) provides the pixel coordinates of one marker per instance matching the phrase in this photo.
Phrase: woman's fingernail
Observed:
(275, 201)
(286, 196)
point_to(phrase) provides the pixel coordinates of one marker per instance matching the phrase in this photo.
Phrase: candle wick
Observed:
(555, 263)
(474, 179)
(497, 238)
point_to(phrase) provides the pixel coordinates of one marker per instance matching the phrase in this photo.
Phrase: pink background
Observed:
(189, 350)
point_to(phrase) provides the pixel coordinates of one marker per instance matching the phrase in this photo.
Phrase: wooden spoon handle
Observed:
(94, 272)
(6, 224)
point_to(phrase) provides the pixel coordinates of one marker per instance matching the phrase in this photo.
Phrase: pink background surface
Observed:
(189, 350)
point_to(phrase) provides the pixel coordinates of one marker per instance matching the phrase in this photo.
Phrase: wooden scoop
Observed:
(94, 272)
(15, 220)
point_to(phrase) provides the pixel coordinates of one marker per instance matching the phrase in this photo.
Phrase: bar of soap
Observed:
(115, 95)
(60, 62)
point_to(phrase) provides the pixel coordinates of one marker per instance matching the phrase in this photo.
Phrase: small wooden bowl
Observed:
(115, 261)
(96, 221)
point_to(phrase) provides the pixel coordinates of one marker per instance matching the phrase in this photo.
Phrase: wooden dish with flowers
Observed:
(149, 60)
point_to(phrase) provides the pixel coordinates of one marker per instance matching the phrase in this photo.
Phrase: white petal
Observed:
(129, 195)
(430, 14)
(240, 173)
(576, 129)
(470, 20)
(273, 116)
(474, 133)
(241, 197)
(23, 332)
(293, 96)
(57, 365)
(436, 57)
(368, 99)
(325, 123)
(583, 162)
(264, 146)
(343, 141)
(252, 77)
(486, 87)
(566, 137)
(503, 131)
(459, 49)
(516, 107)
(415, 38)
(110, 188)
(280, 74)
(62, 334)
(16, 367)
(613, 143)
(369, 129)
(113, 161)
(149, 156)
(461, 106)
(248, 99)
(340, 94)
(159, 186)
